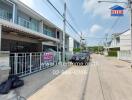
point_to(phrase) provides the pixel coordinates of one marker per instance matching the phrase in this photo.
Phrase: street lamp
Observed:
(130, 8)
(112, 2)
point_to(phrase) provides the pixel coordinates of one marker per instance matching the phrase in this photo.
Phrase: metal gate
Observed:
(23, 64)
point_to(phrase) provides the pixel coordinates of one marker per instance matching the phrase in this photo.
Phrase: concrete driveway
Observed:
(103, 79)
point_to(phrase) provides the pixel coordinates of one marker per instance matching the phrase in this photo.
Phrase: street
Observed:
(105, 78)
(66, 49)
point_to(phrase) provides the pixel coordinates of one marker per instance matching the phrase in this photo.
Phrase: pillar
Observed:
(14, 13)
(41, 26)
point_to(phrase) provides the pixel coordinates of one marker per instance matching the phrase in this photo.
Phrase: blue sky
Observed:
(90, 17)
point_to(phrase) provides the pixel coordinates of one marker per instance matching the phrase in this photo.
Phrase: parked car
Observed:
(82, 58)
(87, 53)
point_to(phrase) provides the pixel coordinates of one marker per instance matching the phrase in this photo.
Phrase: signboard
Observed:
(117, 11)
(48, 56)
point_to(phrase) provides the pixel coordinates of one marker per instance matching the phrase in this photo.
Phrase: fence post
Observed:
(16, 64)
(40, 61)
(30, 62)
(53, 58)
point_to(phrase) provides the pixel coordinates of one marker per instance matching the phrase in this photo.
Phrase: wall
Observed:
(76, 44)
(125, 41)
(71, 44)
(67, 43)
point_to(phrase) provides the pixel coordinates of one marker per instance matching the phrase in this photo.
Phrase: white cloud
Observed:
(95, 28)
(93, 31)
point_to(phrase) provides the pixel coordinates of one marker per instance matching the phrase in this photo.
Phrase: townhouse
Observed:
(26, 35)
(24, 30)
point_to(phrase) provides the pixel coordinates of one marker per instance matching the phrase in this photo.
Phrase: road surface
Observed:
(103, 79)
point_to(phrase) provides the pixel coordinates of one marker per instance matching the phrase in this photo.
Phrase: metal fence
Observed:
(124, 55)
(23, 64)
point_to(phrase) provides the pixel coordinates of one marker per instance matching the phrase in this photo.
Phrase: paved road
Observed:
(103, 79)
(35, 81)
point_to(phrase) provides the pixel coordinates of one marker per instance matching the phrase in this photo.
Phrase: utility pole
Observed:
(81, 42)
(64, 29)
(130, 12)
(106, 41)
(129, 4)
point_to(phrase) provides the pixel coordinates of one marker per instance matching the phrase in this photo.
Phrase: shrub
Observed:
(76, 49)
(112, 53)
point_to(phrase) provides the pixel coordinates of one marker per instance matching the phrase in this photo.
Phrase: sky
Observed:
(88, 17)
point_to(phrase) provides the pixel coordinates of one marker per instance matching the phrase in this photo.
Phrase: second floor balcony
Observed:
(27, 24)
(48, 32)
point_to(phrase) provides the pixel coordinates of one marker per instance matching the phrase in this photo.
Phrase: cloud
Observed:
(92, 31)
(95, 28)
(97, 9)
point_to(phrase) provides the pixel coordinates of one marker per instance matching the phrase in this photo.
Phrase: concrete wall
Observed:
(76, 44)
(4, 65)
(115, 42)
(71, 44)
(67, 43)
(125, 41)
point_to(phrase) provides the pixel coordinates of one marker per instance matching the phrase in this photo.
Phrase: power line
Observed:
(114, 24)
(103, 38)
(55, 8)
(72, 18)
(63, 17)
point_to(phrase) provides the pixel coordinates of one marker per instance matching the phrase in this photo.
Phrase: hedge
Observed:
(112, 53)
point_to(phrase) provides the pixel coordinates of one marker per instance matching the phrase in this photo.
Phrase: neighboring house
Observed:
(125, 46)
(113, 44)
(121, 43)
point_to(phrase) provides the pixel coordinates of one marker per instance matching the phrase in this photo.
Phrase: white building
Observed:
(122, 43)
(125, 46)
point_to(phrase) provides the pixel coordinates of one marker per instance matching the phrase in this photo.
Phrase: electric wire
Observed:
(63, 17)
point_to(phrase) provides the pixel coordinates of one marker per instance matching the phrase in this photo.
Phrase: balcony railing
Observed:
(5, 15)
(27, 24)
(49, 33)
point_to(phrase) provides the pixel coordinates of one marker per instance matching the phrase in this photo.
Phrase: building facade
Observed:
(24, 30)
(121, 42)
(125, 46)
(26, 35)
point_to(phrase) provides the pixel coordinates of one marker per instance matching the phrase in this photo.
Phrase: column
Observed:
(57, 47)
(71, 44)
(14, 13)
(42, 47)
(0, 36)
(56, 33)
(41, 26)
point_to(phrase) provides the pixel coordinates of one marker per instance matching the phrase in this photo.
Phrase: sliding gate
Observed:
(23, 64)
